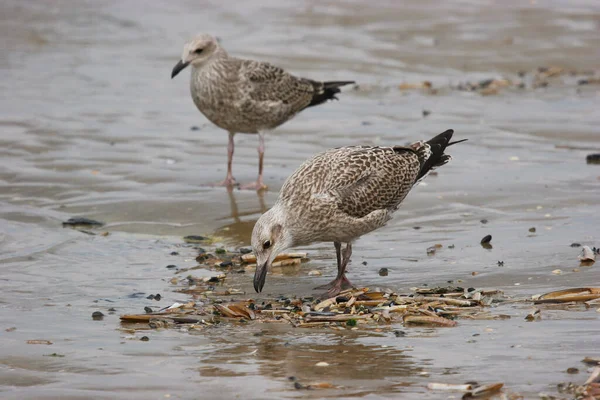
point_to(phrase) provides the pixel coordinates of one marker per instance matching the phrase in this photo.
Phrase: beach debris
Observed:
(314, 272)
(535, 314)
(587, 255)
(39, 341)
(462, 387)
(483, 390)
(383, 272)
(82, 222)
(568, 295)
(97, 316)
(593, 158)
(251, 258)
(195, 239)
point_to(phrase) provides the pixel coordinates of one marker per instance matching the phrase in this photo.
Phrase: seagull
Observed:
(338, 196)
(246, 96)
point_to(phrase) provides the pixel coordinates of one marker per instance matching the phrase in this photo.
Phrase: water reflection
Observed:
(240, 229)
(281, 352)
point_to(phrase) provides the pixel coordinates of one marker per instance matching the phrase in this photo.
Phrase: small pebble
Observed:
(144, 338)
(314, 272)
(171, 266)
(194, 239)
(557, 272)
(426, 113)
(194, 128)
(474, 273)
(97, 316)
(501, 263)
(112, 309)
(575, 245)
(157, 297)
(399, 333)
(572, 370)
(148, 310)
(484, 221)
(364, 263)
(383, 272)
(532, 229)
(322, 364)
(174, 253)
(593, 158)
(245, 250)
(150, 297)
(486, 239)
(225, 264)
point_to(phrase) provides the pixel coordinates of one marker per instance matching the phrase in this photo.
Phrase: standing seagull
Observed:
(340, 195)
(245, 96)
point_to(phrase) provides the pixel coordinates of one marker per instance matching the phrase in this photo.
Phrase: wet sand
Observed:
(92, 125)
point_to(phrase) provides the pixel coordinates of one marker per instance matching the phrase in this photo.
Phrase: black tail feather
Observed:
(437, 158)
(326, 91)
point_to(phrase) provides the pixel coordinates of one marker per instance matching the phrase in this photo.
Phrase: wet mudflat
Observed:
(92, 126)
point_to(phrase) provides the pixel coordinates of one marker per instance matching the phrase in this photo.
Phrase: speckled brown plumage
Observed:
(344, 193)
(245, 96)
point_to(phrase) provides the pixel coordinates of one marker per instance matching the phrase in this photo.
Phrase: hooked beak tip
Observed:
(260, 276)
(178, 68)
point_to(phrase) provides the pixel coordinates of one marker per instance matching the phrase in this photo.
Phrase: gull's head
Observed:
(269, 238)
(196, 52)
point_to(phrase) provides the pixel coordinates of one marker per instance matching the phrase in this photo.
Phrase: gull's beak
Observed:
(260, 276)
(178, 67)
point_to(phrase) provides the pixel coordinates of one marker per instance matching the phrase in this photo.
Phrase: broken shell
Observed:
(568, 295)
(428, 320)
(314, 272)
(251, 258)
(322, 364)
(449, 386)
(587, 254)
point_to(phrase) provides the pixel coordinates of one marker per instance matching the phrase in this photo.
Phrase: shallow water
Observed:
(91, 125)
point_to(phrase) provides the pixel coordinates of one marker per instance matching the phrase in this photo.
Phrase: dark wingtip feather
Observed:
(437, 158)
(326, 91)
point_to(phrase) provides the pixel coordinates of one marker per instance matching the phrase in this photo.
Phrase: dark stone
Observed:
(226, 264)
(213, 279)
(148, 310)
(486, 239)
(194, 239)
(341, 299)
(426, 113)
(292, 378)
(364, 263)
(171, 266)
(593, 158)
(144, 338)
(484, 221)
(194, 128)
(399, 333)
(174, 253)
(80, 221)
(136, 295)
(575, 245)
(245, 250)
(583, 82)
(383, 272)
(532, 229)
(97, 316)
(157, 297)
(112, 309)
(501, 263)
(150, 297)
(572, 370)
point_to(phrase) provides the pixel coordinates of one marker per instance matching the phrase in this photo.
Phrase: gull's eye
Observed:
(198, 51)
(266, 244)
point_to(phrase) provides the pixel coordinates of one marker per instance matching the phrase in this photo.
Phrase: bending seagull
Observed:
(340, 195)
(245, 96)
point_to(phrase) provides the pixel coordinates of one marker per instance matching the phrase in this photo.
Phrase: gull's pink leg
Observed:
(259, 184)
